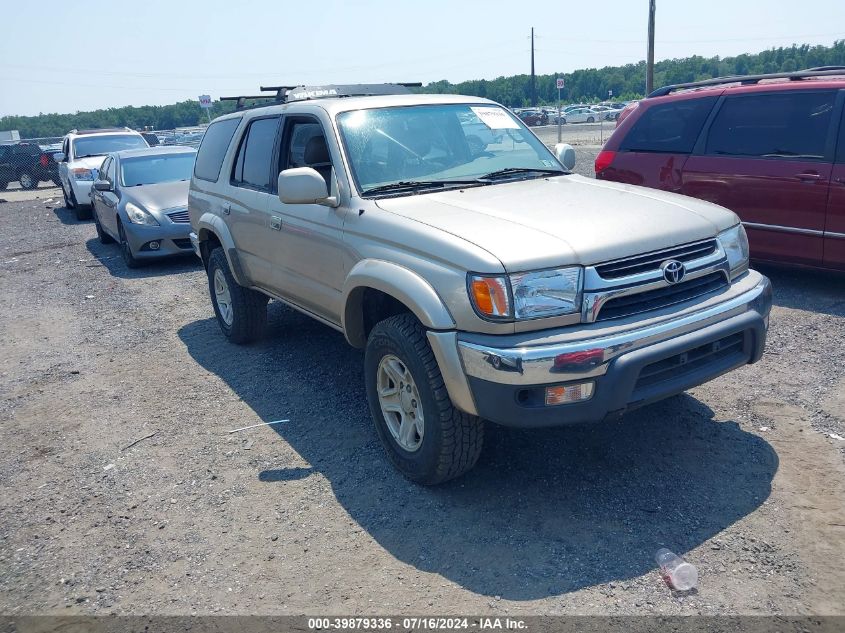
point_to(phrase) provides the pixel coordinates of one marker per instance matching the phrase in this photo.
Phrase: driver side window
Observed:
(305, 146)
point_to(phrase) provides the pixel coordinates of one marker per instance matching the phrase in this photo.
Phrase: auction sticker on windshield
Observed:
(495, 118)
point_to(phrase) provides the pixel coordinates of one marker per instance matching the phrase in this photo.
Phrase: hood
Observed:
(165, 195)
(89, 162)
(565, 220)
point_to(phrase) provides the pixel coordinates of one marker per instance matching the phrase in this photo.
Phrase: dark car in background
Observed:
(534, 117)
(27, 164)
(771, 148)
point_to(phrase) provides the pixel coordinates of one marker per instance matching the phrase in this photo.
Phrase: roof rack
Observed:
(748, 80)
(101, 130)
(288, 94)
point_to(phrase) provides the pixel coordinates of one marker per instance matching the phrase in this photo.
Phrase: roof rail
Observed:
(241, 101)
(101, 130)
(287, 94)
(821, 71)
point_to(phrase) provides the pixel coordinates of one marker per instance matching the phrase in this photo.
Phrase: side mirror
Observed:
(59, 157)
(102, 185)
(565, 153)
(303, 185)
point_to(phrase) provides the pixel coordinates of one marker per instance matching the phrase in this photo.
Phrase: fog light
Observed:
(565, 394)
(154, 246)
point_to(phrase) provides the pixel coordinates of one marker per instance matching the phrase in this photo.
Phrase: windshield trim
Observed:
(353, 176)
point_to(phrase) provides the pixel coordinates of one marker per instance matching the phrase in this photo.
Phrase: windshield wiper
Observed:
(519, 170)
(90, 155)
(417, 185)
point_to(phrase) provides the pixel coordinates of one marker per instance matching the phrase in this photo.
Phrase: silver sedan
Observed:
(140, 200)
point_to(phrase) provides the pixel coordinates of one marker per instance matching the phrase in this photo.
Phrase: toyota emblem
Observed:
(673, 270)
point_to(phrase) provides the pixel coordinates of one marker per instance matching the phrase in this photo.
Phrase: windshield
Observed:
(439, 143)
(150, 170)
(102, 145)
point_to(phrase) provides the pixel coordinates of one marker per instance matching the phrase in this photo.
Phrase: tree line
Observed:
(589, 85)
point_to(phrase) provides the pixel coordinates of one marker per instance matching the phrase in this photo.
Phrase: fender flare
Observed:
(399, 282)
(211, 224)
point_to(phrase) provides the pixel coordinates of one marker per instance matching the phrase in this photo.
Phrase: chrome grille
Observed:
(180, 216)
(662, 297)
(651, 261)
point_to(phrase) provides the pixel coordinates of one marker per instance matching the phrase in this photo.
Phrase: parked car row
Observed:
(771, 148)
(484, 280)
(574, 113)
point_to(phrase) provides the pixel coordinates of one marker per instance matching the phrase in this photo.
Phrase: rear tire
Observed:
(451, 440)
(27, 180)
(241, 312)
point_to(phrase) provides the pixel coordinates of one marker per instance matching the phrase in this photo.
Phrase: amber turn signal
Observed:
(490, 295)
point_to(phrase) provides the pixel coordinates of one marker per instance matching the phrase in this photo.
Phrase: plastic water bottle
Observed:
(677, 573)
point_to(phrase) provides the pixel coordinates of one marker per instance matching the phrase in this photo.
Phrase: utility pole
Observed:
(533, 76)
(649, 64)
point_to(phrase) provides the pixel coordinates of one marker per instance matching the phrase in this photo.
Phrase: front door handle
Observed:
(808, 176)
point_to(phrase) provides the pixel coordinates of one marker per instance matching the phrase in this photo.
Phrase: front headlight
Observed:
(735, 243)
(546, 293)
(137, 215)
(531, 295)
(80, 173)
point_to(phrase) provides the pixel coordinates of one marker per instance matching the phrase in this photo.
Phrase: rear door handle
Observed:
(808, 176)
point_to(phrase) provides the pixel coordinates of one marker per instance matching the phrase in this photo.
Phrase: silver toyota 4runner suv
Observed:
(484, 281)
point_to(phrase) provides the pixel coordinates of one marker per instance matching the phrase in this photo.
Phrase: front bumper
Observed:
(628, 366)
(173, 239)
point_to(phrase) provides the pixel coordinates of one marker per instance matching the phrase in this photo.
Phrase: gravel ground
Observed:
(740, 475)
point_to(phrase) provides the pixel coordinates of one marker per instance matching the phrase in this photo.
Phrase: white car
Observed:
(606, 112)
(82, 154)
(581, 115)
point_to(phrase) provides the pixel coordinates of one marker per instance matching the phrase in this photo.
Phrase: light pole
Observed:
(649, 68)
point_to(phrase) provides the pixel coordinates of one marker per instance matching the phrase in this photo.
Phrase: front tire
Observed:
(126, 249)
(81, 212)
(104, 237)
(241, 312)
(70, 200)
(591, 120)
(426, 438)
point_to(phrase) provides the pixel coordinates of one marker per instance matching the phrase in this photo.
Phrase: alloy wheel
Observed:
(400, 403)
(223, 297)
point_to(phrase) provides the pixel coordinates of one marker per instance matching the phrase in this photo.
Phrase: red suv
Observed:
(769, 147)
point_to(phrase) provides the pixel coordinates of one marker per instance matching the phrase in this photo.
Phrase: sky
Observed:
(70, 56)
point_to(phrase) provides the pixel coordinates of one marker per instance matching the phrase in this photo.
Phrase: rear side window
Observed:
(784, 125)
(255, 154)
(669, 127)
(213, 149)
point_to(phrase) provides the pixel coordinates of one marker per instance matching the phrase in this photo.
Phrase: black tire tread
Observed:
(463, 434)
(249, 306)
